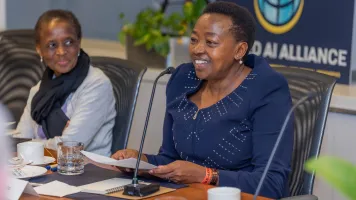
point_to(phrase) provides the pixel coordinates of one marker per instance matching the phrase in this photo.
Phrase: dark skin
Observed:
(58, 46)
(216, 57)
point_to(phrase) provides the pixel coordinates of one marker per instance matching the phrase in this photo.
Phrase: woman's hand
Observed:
(180, 172)
(128, 153)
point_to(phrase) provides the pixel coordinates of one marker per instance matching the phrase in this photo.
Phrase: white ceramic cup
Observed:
(226, 193)
(31, 152)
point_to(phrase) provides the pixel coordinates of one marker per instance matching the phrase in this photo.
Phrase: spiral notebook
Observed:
(106, 186)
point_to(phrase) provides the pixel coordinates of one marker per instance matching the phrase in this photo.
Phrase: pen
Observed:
(53, 168)
(35, 184)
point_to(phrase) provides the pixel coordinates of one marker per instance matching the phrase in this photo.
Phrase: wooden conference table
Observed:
(194, 191)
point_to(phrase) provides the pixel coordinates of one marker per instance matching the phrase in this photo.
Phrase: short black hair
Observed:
(63, 15)
(244, 25)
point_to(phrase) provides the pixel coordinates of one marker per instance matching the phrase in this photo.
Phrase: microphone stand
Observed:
(136, 189)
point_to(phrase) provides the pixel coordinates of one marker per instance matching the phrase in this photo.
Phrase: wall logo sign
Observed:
(278, 16)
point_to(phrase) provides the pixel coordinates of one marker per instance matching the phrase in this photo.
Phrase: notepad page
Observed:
(102, 187)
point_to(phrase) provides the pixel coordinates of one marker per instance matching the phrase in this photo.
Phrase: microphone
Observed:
(298, 103)
(136, 189)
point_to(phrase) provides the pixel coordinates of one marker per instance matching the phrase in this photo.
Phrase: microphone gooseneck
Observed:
(169, 70)
(298, 103)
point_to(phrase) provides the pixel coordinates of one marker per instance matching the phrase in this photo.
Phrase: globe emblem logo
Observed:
(278, 16)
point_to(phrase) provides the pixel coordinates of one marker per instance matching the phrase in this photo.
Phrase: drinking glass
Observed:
(69, 158)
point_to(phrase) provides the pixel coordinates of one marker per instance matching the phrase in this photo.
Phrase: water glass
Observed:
(69, 159)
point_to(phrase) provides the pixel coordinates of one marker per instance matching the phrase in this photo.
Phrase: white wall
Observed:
(154, 134)
(2, 14)
(339, 140)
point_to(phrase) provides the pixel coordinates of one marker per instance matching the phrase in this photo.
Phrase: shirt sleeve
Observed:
(90, 113)
(167, 152)
(25, 125)
(268, 114)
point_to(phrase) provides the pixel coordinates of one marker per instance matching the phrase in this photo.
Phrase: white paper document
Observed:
(57, 189)
(125, 163)
(16, 187)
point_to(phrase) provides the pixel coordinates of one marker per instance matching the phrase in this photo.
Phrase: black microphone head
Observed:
(170, 70)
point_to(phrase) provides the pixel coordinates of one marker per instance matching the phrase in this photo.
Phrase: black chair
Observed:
(126, 78)
(310, 120)
(24, 38)
(20, 69)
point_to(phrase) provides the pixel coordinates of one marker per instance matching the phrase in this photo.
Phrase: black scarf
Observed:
(46, 104)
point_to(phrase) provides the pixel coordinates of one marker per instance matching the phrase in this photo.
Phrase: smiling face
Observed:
(59, 46)
(213, 48)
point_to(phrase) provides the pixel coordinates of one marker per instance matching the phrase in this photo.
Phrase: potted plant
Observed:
(340, 173)
(147, 39)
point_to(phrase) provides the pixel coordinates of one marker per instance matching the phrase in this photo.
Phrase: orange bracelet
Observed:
(208, 176)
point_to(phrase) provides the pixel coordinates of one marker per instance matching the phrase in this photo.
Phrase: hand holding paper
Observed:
(125, 163)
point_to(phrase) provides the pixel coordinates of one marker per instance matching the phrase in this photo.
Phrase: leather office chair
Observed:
(126, 78)
(24, 38)
(20, 69)
(310, 120)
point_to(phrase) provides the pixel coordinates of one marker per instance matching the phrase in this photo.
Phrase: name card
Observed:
(15, 188)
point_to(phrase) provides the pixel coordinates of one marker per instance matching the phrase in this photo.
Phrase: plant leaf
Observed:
(121, 15)
(188, 10)
(142, 40)
(122, 37)
(198, 8)
(339, 173)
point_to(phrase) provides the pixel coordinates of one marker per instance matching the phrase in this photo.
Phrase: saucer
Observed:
(46, 160)
(16, 162)
(28, 172)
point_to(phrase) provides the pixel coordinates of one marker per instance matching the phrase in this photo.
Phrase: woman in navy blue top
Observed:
(224, 111)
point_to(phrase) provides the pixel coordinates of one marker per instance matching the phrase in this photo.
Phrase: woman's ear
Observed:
(38, 50)
(39, 53)
(240, 50)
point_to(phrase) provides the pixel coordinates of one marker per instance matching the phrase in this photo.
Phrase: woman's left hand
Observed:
(180, 172)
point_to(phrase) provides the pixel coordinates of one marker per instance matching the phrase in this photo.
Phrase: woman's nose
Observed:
(61, 50)
(199, 48)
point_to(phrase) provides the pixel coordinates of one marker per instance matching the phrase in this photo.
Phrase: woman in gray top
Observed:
(73, 101)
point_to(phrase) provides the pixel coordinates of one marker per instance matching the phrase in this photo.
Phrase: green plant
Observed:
(152, 28)
(339, 173)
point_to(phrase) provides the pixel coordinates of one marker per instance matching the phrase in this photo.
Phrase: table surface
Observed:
(195, 191)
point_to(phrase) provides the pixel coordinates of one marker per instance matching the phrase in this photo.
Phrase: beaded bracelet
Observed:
(215, 177)
(208, 176)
